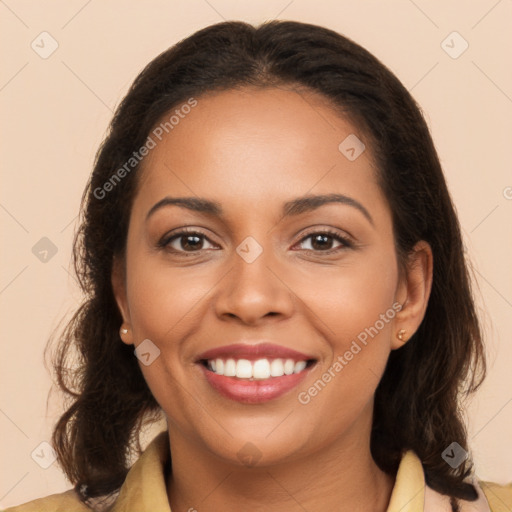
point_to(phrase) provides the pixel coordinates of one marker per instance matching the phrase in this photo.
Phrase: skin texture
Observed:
(252, 150)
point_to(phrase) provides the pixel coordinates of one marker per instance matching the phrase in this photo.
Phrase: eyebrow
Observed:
(290, 208)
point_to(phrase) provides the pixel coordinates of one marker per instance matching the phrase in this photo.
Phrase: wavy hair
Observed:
(418, 400)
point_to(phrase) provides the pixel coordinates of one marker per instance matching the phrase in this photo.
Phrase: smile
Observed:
(260, 369)
(254, 373)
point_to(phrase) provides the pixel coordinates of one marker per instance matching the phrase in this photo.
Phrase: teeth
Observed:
(289, 365)
(277, 368)
(299, 366)
(244, 369)
(230, 368)
(260, 369)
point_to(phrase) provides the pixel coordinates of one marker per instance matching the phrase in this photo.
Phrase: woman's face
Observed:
(262, 277)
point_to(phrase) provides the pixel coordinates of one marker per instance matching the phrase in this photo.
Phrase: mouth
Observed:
(256, 370)
(254, 373)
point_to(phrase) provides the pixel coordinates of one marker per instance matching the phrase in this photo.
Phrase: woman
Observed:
(271, 257)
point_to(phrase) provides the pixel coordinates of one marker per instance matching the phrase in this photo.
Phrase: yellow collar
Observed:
(144, 489)
(408, 494)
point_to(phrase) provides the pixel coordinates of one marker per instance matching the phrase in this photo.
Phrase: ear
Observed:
(413, 293)
(118, 280)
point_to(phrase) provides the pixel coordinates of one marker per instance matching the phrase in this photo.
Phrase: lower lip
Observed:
(253, 391)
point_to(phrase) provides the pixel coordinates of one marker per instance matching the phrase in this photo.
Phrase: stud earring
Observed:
(401, 334)
(124, 330)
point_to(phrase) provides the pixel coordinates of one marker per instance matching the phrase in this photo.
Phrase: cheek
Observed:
(166, 307)
(161, 305)
(349, 300)
(355, 310)
(161, 297)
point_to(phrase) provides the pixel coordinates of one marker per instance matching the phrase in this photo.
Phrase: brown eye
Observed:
(322, 241)
(186, 241)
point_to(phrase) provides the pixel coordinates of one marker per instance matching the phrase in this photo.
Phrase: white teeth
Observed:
(260, 369)
(244, 369)
(230, 368)
(277, 368)
(299, 366)
(289, 366)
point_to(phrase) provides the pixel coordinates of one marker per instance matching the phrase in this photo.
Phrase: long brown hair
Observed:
(418, 401)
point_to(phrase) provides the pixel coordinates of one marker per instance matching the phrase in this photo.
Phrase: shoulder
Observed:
(498, 496)
(64, 502)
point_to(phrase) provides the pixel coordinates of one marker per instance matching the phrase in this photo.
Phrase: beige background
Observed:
(56, 111)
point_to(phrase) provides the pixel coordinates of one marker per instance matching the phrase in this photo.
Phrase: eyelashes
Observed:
(195, 240)
(344, 241)
(185, 233)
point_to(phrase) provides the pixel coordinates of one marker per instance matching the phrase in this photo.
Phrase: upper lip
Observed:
(254, 351)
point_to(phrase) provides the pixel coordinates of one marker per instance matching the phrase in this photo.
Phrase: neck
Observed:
(341, 477)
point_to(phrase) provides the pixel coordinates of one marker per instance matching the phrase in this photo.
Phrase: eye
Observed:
(322, 241)
(185, 241)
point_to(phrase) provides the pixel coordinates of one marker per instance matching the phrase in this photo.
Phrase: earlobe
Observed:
(401, 335)
(118, 282)
(125, 334)
(413, 293)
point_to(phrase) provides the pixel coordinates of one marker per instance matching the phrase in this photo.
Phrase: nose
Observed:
(254, 291)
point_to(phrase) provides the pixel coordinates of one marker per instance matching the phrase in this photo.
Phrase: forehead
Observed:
(254, 145)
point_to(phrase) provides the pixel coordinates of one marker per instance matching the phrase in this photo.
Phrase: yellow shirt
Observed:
(144, 490)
